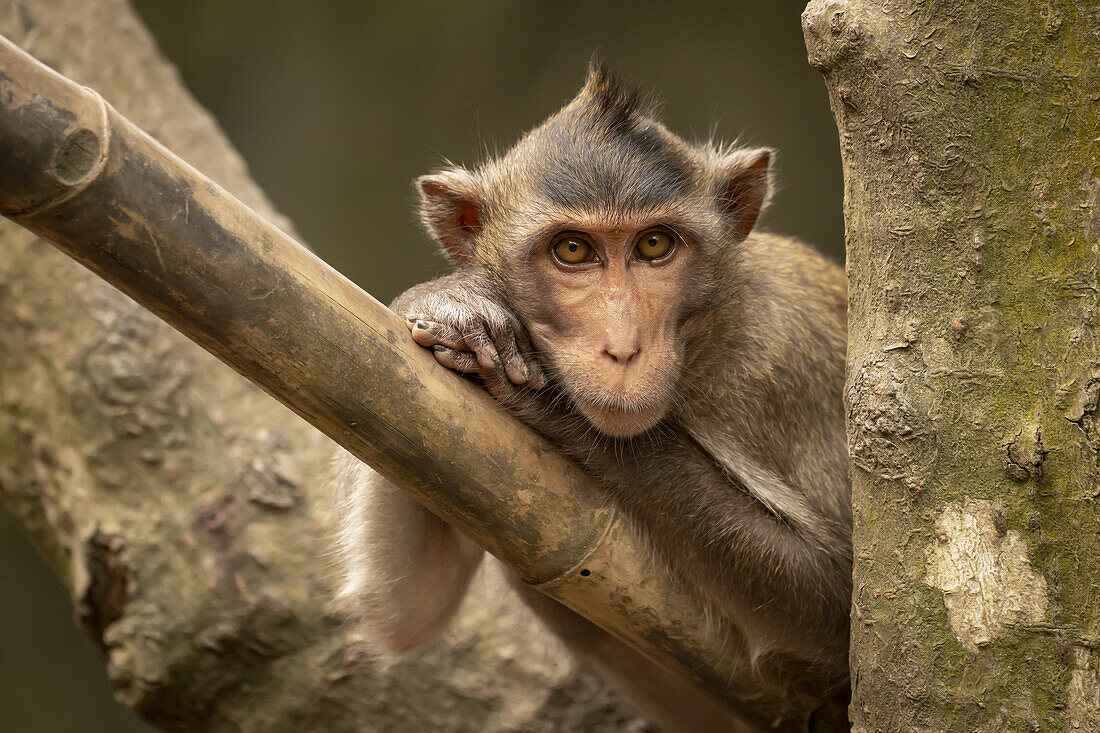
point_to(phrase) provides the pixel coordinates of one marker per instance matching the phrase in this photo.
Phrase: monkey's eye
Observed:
(653, 245)
(572, 250)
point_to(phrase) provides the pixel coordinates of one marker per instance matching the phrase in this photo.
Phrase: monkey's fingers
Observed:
(515, 367)
(481, 343)
(535, 378)
(431, 333)
(460, 361)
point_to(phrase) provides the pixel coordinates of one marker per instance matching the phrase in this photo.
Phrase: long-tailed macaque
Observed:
(611, 292)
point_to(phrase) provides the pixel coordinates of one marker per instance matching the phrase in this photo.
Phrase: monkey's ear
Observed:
(452, 209)
(743, 186)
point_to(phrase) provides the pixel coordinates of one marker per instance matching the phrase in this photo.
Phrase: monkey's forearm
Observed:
(740, 558)
(406, 571)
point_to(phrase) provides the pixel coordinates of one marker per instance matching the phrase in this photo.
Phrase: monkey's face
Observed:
(604, 306)
(580, 223)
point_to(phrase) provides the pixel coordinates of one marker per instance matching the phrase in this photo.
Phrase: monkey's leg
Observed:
(405, 571)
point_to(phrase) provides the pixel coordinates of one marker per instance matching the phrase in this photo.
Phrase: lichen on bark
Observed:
(983, 570)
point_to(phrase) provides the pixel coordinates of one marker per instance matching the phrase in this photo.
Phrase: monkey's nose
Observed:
(622, 355)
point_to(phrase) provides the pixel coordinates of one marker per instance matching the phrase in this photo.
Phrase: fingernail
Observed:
(423, 325)
(440, 347)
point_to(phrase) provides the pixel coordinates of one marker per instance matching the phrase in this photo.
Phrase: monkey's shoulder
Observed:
(786, 262)
(780, 327)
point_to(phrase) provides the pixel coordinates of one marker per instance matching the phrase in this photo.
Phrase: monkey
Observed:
(611, 291)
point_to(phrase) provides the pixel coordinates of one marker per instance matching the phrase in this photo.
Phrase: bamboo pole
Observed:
(78, 174)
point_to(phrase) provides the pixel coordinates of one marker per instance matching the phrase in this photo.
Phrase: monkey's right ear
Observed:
(452, 209)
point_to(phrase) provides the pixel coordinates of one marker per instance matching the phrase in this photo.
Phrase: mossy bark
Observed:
(970, 136)
(185, 510)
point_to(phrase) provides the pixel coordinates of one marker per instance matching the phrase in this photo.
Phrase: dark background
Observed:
(336, 107)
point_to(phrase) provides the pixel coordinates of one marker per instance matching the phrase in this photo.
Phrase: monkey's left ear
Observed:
(452, 209)
(742, 187)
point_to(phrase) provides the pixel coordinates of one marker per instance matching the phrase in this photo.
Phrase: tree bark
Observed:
(184, 509)
(970, 136)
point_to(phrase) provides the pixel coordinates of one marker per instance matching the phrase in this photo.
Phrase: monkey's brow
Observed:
(585, 223)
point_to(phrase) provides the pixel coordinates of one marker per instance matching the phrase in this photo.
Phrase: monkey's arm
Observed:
(786, 594)
(405, 571)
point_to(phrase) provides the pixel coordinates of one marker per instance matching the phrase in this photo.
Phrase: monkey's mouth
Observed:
(621, 421)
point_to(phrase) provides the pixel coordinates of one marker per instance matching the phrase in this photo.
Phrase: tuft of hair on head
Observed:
(604, 100)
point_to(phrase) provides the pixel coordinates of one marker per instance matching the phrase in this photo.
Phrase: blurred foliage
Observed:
(51, 676)
(337, 106)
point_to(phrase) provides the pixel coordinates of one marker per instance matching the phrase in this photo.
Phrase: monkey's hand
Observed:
(461, 319)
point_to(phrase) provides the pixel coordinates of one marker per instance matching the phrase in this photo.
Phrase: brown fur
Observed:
(703, 390)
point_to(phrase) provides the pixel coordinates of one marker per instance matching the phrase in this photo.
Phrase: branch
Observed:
(78, 174)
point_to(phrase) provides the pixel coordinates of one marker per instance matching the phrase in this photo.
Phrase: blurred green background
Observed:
(336, 106)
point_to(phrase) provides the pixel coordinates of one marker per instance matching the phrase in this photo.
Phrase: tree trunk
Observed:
(184, 509)
(970, 136)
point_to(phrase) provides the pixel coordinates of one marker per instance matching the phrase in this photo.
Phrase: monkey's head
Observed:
(605, 233)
